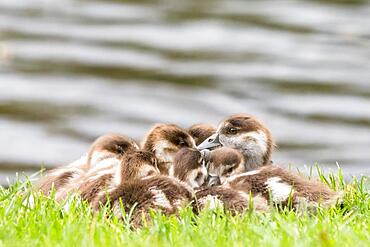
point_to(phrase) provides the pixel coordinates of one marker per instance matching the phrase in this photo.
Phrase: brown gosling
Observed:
(189, 167)
(133, 166)
(165, 140)
(246, 134)
(283, 187)
(223, 163)
(104, 154)
(141, 194)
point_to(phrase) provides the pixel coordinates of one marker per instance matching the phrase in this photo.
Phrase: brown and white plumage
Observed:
(248, 135)
(142, 190)
(104, 155)
(140, 196)
(225, 198)
(201, 132)
(224, 162)
(57, 178)
(189, 167)
(281, 186)
(134, 165)
(165, 140)
(110, 146)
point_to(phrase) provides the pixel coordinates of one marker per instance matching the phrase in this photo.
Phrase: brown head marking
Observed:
(200, 132)
(189, 167)
(112, 145)
(165, 140)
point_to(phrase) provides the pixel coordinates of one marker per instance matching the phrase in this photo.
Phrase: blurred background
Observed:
(73, 70)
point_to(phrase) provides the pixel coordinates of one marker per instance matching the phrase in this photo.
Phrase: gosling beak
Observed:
(211, 142)
(213, 180)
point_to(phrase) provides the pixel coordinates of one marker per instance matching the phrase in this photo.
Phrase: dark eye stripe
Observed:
(150, 173)
(228, 170)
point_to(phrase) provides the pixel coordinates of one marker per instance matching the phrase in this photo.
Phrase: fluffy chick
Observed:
(165, 140)
(106, 150)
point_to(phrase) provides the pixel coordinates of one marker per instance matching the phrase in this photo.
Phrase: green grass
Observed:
(50, 224)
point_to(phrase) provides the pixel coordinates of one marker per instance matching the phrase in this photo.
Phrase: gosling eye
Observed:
(232, 131)
(119, 149)
(182, 143)
(154, 162)
(150, 173)
(199, 176)
(204, 163)
(229, 170)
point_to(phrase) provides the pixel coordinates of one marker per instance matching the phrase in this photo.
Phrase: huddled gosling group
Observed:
(228, 168)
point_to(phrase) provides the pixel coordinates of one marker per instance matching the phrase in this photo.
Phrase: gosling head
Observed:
(137, 165)
(189, 167)
(223, 163)
(108, 146)
(246, 134)
(165, 140)
(200, 132)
